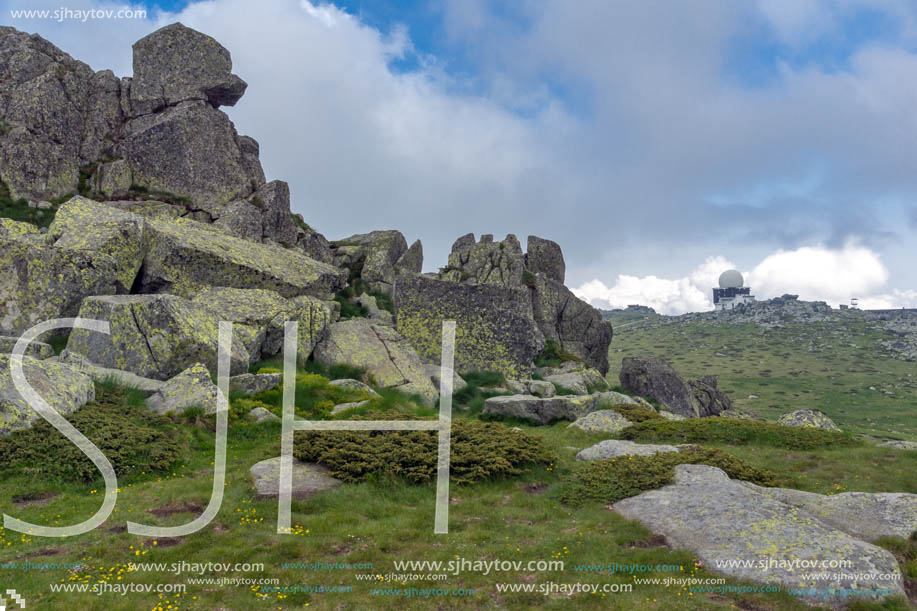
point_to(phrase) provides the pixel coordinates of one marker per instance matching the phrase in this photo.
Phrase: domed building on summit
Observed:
(732, 291)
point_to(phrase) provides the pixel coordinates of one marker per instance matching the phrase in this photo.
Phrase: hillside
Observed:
(785, 355)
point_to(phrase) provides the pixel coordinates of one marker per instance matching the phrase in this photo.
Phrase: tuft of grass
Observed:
(471, 398)
(480, 451)
(19, 210)
(736, 432)
(553, 355)
(613, 479)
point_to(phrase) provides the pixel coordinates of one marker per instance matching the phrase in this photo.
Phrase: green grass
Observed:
(19, 210)
(516, 510)
(553, 355)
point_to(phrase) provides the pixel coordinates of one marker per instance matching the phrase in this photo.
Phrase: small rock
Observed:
(343, 407)
(192, 387)
(259, 415)
(602, 421)
(36, 349)
(612, 448)
(307, 481)
(434, 371)
(355, 386)
(812, 418)
(253, 383)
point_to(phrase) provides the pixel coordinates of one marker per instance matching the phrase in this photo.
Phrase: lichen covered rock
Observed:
(812, 418)
(307, 481)
(60, 385)
(722, 521)
(183, 256)
(656, 379)
(612, 448)
(193, 387)
(602, 421)
(495, 330)
(381, 351)
(373, 256)
(154, 336)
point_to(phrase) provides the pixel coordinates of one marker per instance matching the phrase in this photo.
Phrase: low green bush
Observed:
(19, 210)
(635, 413)
(315, 398)
(131, 436)
(736, 432)
(613, 479)
(479, 451)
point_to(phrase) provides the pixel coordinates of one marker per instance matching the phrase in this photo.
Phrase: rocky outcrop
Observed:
(158, 135)
(574, 376)
(387, 358)
(656, 379)
(373, 256)
(63, 387)
(154, 336)
(308, 479)
(811, 418)
(495, 329)
(746, 524)
(191, 388)
(39, 282)
(479, 266)
(36, 349)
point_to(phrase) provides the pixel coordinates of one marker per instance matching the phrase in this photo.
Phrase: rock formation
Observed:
(509, 303)
(656, 379)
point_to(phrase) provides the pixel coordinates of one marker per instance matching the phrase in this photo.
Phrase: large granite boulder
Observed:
(381, 351)
(308, 479)
(63, 387)
(189, 150)
(175, 64)
(154, 336)
(92, 228)
(574, 376)
(277, 223)
(267, 312)
(39, 282)
(545, 257)
(811, 418)
(193, 387)
(411, 262)
(182, 256)
(722, 521)
(495, 329)
(656, 379)
(373, 256)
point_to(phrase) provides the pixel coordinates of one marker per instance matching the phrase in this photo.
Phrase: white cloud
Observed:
(815, 273)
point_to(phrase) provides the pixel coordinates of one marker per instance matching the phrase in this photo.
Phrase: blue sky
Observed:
(656, 142)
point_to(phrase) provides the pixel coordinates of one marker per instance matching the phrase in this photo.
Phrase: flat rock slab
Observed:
(308, 479)
(343, 407)
(64, 388)
(722, 520)
(602, 421)
(97, 372)
(612, 448)
(38, 350)
(864, 515)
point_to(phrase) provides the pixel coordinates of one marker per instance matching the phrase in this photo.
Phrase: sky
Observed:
(659, 143)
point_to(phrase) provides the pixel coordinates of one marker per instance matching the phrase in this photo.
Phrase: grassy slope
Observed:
(382, 521)
(818, 366)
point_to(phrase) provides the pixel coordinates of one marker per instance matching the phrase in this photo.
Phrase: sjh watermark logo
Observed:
(443, 426)
(15, 599)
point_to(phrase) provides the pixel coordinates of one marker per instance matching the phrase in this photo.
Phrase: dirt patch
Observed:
(654, 541)
(535, 487)
(38, 498)
(166, 542)
(117, 528)
(176, 507)
(48, 551)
